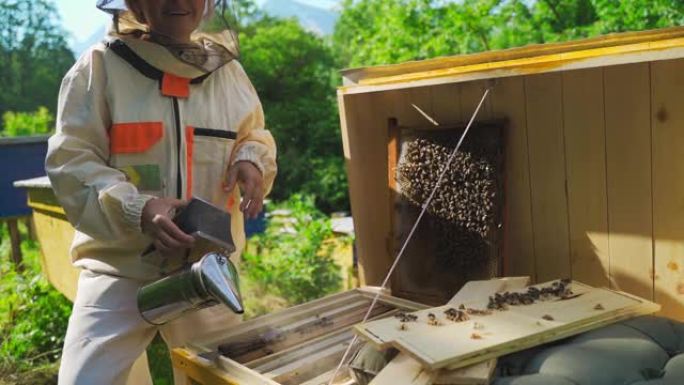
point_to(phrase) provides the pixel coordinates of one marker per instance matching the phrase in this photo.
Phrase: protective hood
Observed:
(214, 43)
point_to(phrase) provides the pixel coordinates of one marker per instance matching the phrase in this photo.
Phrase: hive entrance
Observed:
(459, 237)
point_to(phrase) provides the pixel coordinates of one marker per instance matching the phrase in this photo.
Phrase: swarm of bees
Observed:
(468, 191)
(559, 289)
(466, 209)
(456, 315)
(406, 317)
(500, 301)
(432, 320)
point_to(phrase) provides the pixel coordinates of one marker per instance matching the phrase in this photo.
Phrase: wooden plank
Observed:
(292, 321)
(547, 176)
(503, 332)
(592, 58)
(55, 234)
(446, 104)
(491, 59)
(15, 241)
(311, 365)
(283, 358)
(628, 157)
(309, 346)
(475, 290)
(477, 374)
(404, 370)
(366, 137)
(481, 373)
(585, 155)
(324, 379)
(30, 228)
(206, 372)
(667, 84)
(508, 101)
(253, 346)
(283, 317)
(303, 353)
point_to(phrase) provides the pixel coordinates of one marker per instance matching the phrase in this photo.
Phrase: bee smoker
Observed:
(210, 281)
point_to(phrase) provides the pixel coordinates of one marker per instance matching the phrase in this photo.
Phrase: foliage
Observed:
(34, 54)
(33, 315)
(291, 259)
(33, 321)
(159, 361)
(27, 123)
(297, 90)
(389, 31)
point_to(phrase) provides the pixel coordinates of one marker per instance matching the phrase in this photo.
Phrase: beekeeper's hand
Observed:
(156, 221)
(251, 184)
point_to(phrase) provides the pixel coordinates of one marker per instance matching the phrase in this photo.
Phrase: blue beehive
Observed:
(20, 158)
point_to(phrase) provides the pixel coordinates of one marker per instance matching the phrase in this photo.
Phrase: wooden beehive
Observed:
(300, 345)
(593, 163)
(593, 184)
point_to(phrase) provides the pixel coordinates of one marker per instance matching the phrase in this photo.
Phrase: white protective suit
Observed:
(135, 123)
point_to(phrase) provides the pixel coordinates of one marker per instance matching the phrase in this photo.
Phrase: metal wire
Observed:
(443, 172)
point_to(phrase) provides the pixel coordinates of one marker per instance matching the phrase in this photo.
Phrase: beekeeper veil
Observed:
(214, 43)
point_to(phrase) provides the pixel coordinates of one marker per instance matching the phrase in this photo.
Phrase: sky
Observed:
(81, 19)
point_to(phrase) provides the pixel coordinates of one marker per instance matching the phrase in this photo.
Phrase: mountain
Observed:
(317, 18)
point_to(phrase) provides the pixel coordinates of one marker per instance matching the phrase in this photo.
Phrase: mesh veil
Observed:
(213, 43)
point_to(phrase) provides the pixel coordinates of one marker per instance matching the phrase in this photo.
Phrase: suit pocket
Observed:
(208, 161)
(134, 138)
(132, 152)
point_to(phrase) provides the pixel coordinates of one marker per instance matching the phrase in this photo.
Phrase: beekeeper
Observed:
(156, 114)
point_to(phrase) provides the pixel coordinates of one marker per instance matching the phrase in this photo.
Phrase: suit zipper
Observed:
(179, 181)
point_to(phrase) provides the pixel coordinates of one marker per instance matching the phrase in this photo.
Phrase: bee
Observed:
(403, 326)
(599, 307)
(472, 311)
(432, 320)
(547, 317)
(404, 317)
(456, 315)
(475, 336)
(497, 303)
(526, 299)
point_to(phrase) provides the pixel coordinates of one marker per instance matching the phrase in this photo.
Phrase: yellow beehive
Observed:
(593, 162)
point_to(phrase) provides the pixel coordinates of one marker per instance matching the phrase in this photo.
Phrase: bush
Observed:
(33, 315)
(292, 258)
(27, 123)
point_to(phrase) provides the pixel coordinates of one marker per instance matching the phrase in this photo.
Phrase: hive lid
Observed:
(611, 49)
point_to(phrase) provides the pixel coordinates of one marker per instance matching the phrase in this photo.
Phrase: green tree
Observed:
(389, 31)
(293, 259)
(27, 123)
(293, 72)
(34, 55)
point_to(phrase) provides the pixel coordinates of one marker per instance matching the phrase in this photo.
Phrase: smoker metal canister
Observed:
(208, 282)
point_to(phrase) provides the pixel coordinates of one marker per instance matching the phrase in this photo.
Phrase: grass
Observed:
(29, 354)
